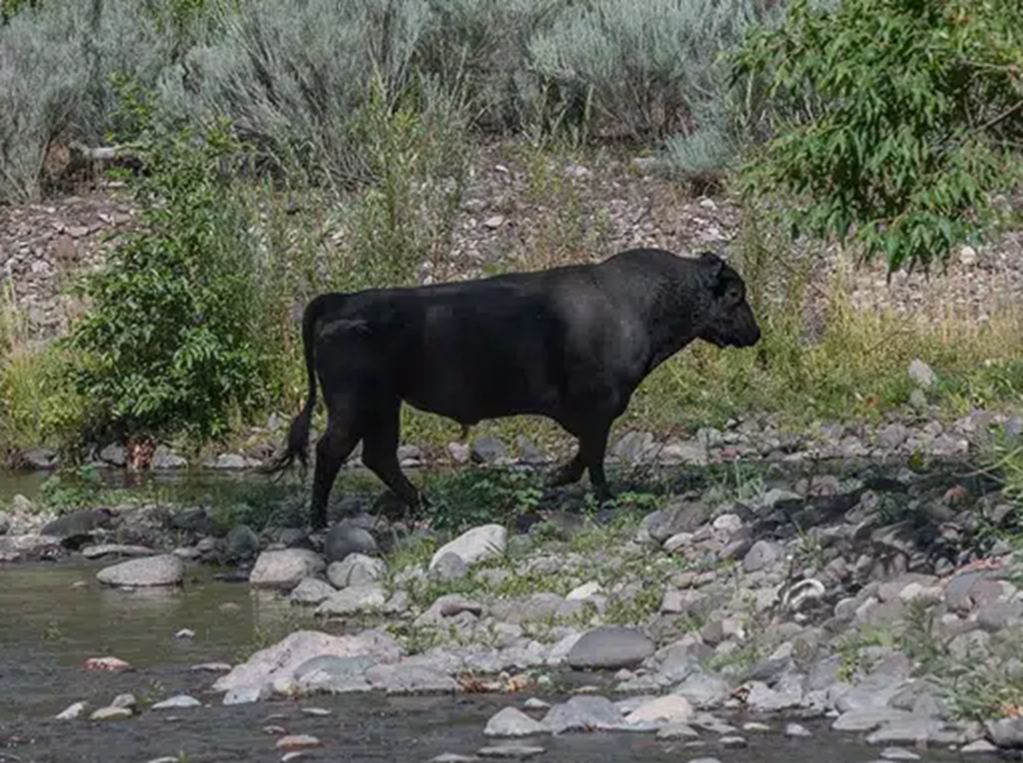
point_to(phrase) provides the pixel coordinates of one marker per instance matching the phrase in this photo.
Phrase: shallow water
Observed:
(51, 625)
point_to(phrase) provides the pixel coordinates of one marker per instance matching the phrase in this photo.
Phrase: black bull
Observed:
(570, 343)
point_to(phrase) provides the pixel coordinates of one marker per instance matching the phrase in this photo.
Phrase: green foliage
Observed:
(892, 119)
(170, 341)
(470, 497)
(645, 66)
(9, 8)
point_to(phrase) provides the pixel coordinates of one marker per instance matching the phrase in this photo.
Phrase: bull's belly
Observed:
(472, 405)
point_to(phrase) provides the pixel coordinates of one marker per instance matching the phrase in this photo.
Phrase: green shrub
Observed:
(644, 65)
(892, 117)
(171, 338)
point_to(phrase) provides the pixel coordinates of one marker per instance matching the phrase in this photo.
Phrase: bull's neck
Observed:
(671, 313)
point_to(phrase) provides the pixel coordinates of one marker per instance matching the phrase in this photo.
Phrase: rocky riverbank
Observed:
(879, 599)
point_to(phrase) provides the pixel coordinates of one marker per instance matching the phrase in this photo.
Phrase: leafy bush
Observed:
(644, 65)
(171, 340)
(892, 117)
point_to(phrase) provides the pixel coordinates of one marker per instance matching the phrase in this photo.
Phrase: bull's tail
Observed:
(297, 444)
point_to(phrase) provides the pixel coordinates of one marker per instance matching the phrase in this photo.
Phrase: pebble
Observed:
(297, 742)
(733, 742)
(534, 703)
(178, 702)
(511, 752)
(897, 753)
(796, 730)
(72, 712)
(111, 714)
(106, 663)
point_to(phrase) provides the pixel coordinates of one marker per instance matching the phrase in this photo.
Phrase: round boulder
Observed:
(162, 570)
(285, 568)
(610, 647)
(345, 538)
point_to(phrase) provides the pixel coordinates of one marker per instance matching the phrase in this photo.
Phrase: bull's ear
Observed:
(714, 266)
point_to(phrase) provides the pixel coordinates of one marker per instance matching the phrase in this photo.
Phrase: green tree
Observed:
(894, 120)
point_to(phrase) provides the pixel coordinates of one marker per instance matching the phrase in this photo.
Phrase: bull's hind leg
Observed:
(380, 450)
(332, 450)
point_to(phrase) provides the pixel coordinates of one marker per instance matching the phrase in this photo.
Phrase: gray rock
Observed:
(39, 458)
(116, 549)
(678, 663)
(274, 668)
(921, 374)
(511, 751)
(488, 450)
(163, 570)
(410, 679)
(610, 647)
(72, 712)
(910, 730)
(762, 699)
(993, 616)
(356, 570)
(1006, 733)
(178, 702)
(761, 556)
(5, 522)
(796, 730)
(164, 458)
(870, 719)
(353, 600)
(241, 544)
(311, 591)
(679, 517)
(892, 436)
(246, 695)
(978, 747)
(543, 606)
(111, 714)
(511, 722)
(583, 713)
(449, 568)
(114, 455)
(476, 545)
(898, 753)
(704, 690)
(333, 675)
(446, 606)
(347, 538)
(453, 757)
(733, 742)
(14, 548)
(285, 568)
(78, 523)
(674, 731)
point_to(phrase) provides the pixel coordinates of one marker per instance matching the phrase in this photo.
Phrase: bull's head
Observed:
(729, 321)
